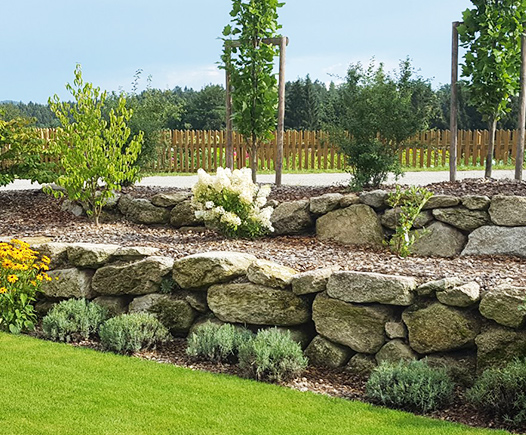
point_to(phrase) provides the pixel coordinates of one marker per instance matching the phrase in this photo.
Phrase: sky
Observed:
(178, 43)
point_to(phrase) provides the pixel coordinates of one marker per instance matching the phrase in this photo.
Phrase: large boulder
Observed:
(312, 281)
(391, 218)
(502, 305)
(349, 199)
(462, 218)
(360, 327)
(441, 201)
(183, 215)
(143, 304)
(365, 287)
(354, 225)
(292, 218)
(493, 240)
(439, 240)
(69, 283)
(325, 353)
(137, 278)
(201, 270)
(325, 203)
(361, 364)
(270, 274)
(508, 211)
(440, 285)
(257, 305)
(498, 345)
(476, 202)
(439, 328)
(142, 211)
(170, 199)
(90, 255)
(56, 252)
(460, 296)
(175, 314)
(395, 351)
(374, 198)
(133, 253)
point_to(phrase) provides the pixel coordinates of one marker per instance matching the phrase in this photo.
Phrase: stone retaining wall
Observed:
(341, 318)
(469, 225)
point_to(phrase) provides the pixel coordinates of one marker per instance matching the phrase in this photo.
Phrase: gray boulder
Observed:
(349, 199)
(440, 285)
(492, 240)
(325, 203)
(502, 305)
(508, 211)
(395, 330)
(133, 253)
(142, 304)
(142, 211)
(374, 198)
(170, 199)
(72, 207)
(462, 218)
(56, 252)
(139, 278)
(325, 353)
(292, 218)
(460, 296)
(183, 215)
(361, 364)
(439, 240)
(395, 351)
(476, 202)
(201, 270)
(90, 255)
(498, 345)
(441, 201)
(71, 283)
(390, 219)
(257, 305)
(354, 225)
(313, 281)
(270, 274)
(115, 305)
(365, 287)
(439, 328)
(175, 314)
(360, 327)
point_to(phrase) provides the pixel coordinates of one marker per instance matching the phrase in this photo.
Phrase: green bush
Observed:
(272, 355)
(132, 332)
(501, 393)
(412, 386)
(73, 319)
(217, 343)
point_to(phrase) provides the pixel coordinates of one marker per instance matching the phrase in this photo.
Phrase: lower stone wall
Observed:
(341, 318)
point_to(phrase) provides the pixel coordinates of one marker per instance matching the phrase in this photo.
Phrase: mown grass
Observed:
(50, 388)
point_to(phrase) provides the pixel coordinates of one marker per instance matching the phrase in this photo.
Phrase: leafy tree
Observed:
(95, 154)
(303, 104)
(205, 110)
(254, 96)
(491, 34)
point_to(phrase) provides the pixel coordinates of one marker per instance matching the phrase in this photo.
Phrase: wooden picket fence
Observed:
(188, 150)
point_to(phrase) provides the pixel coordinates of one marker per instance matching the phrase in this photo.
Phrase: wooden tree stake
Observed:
(453, 120)
(519, 159)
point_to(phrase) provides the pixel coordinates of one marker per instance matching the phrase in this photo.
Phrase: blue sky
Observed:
(176, 42)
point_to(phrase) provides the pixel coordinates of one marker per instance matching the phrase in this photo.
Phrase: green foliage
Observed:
(21, 149)
(501, 393)
(272, 355)
(217, 343)
(412, 386)
(408, 204)
(95, 155)
(254, 96)
(73, 320)
(132, 332)
(379, 112)
(304, 104)
(205, 110)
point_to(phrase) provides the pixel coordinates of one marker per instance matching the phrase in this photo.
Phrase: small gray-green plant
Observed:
(501, 393)
(73, 319)
(132, 332)
(272, 355)
(413, 386)
(409, 202)
(217, 343)
(168, 285)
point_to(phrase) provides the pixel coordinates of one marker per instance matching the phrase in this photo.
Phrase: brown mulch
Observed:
(33, 213)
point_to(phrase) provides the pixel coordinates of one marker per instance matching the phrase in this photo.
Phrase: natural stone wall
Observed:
(468, 225)
(342, 318)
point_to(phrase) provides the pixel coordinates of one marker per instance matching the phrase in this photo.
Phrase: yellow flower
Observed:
(33, 283)
(12, 278)
(3, 290)
(40, 277)
(46, 259)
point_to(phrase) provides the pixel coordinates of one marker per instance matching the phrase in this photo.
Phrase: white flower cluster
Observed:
(211, 193)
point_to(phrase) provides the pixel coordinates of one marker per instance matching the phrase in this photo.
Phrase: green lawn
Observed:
(49, 388)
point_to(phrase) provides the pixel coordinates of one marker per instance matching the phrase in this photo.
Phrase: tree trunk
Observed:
(519, 158)
(254, 157)
(491, 146)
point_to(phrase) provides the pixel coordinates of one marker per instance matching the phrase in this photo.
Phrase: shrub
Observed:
(501, 393)
(217, 343)
(132, 332)
(22, 271)
(272, 355)
(412, 386)
(73, 320)
(232, 204)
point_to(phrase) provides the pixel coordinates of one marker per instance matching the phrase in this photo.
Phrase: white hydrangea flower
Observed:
(231, 219)
(209, 205)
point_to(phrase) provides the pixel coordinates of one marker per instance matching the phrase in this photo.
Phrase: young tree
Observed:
(491, 34)
(254, 86)
(95, 155)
